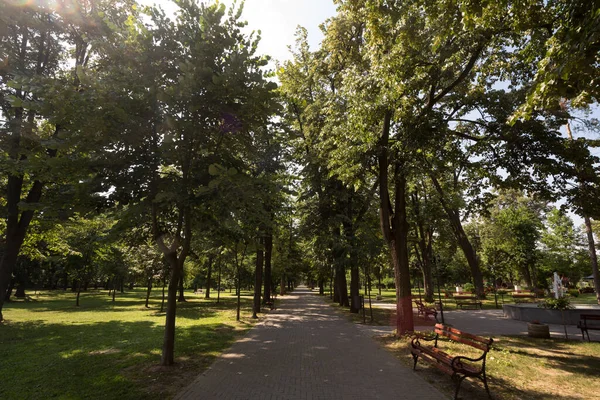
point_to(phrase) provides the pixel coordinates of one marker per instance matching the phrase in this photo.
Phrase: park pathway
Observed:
(306, 350)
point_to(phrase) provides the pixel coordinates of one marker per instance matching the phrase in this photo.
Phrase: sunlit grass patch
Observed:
(519, 368)
(104, 349)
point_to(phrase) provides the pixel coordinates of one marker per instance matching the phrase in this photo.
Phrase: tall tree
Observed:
(187, 125)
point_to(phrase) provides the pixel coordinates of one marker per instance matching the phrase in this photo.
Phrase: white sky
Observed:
(277, 20)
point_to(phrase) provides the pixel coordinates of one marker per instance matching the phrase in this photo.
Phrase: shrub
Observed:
(573, 292)
(469, 287)
(562, 303)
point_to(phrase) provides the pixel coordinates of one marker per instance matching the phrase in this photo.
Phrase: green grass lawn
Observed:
(51, 349)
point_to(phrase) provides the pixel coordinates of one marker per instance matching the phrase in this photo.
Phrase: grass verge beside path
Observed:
(389, 296)
(518, 368)
(51, 349)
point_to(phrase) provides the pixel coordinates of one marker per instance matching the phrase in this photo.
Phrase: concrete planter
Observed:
(538, 330)
(530, 312)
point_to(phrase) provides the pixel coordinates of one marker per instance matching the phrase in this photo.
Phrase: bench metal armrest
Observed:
(457, 362)
(418, 337)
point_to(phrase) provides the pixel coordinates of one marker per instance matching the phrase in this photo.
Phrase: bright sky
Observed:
(277, 20)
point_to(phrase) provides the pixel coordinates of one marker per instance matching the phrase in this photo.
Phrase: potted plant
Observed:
(538, 330)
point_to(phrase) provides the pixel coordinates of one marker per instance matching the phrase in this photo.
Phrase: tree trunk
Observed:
(336, 289)
(282, 285)
(428, 285)
(399, 247)
(114, 289)
(395, 229)
(268, 278)
(258, 280)
(168, 350)
(219, 280)
(354, 288)
(16, 228)
(239, 291)
(321, 287)
(181, 298)
(342, 286)
(462, 239)
(11, 286)
(148, 292)
(78, 292)
(472, 259)
(593, 257)
(162, 304)
(209, 276)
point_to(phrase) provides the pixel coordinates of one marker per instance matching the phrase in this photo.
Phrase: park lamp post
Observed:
(436, 262)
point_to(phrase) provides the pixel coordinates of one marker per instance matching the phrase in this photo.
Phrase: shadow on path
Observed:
(306, 350)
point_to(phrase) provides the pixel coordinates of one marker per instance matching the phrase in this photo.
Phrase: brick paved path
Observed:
(306, 350)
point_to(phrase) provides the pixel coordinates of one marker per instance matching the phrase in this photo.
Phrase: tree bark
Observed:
(462, 239)
(181, 298)
(258, 279)
(11, 286)
(593, 256)
(162, 304)
(268, 256)
(424, 248)
(78, 292)
(209, 276)
(148, 291)
(342, 286)
(354, 289)
(395, 230)
(219, 280)
(168, 350)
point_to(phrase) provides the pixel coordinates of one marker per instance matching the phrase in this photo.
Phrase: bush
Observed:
(573, 292)
(469, 287)
(562, 303)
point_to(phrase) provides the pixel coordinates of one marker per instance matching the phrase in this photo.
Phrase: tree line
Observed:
(137, 145)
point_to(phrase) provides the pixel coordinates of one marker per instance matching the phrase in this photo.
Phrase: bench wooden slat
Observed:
(459, 366)
(464, 337)
(443, 367)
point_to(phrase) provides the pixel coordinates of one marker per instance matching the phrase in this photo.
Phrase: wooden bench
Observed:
(521, 295)
(588, 322)
(463, 300)
(458, 367)
(424, 310)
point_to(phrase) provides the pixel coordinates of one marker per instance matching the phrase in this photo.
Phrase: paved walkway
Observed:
(306, 350)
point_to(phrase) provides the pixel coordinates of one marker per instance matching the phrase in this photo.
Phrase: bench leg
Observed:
(460, 379)
(415, 358)
(484, 380)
